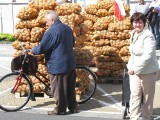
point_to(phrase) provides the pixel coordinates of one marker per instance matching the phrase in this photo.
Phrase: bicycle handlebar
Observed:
(24, 49)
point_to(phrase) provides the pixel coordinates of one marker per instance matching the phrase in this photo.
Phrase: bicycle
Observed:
(25, 65)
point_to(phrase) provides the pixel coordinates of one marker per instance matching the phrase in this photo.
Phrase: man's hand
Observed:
(130, 72)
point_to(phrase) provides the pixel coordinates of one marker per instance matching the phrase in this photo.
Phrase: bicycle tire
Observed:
(86, 82)
(10, 101)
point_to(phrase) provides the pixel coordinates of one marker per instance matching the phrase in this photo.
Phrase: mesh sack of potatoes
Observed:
(100, 34)
(125, 58)
(118, 43)
(100, 42)
(86, 16)
(90, 48)
(112, 27)
(34, 79)
(72, 19)
(83, 80)
(126, 7)
(103, 58)
(117, 73)
(23, 34)
(41, 17)
(103, 72)
(105, 4)
(40, 58)
(91, 9)
(42, 69)
(76, 31)
(87, 43)
(16, 44)
(123, 35)
(17, 53)
(120, 25)
(101, 24)
(68, 8)
(27, 13)
(86, 26)
(27, 24)
(38, 87)
(36, 34)
(123, 26)
(111, 10)
(70, 22)
(116, 58)
(23, 88)
(76, 18)
(108, 65)
(106, 50)
(102, 12)
(112, 35)
(83, 56)
(33, 44)
(43, 4)
(78, 41)
(124, 51)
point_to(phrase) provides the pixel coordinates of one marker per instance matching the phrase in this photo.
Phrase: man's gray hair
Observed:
(53, 15)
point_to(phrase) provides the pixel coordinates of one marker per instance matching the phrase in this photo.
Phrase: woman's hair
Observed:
(138, 16)
(52, 15)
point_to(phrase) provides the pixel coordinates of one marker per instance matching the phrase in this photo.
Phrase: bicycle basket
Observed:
(30, 66)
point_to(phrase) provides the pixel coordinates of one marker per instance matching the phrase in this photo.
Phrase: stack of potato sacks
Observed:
(108, 38)
(31, 27)
(29, 31)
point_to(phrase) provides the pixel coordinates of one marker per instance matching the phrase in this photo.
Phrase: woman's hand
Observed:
(130, 72)
(155, 10)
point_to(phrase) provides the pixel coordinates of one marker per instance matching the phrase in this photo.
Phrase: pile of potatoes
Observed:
(99, 37)
(43, 4)
(108, 36)
(68, 8)
(29, 31)
(31, 27)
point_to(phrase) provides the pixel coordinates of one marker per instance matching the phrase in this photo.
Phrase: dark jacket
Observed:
(57, 45)
(151, 16)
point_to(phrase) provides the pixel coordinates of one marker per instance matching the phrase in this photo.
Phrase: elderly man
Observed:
(57, 45)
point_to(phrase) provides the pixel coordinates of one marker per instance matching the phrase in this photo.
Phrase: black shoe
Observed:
(157, 48)
(73, 111)
(52, 113)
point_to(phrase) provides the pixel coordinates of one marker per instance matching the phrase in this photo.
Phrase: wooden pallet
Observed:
(109, 80)
(37, 95)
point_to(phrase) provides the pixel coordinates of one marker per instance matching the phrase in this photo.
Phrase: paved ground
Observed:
(106, 101)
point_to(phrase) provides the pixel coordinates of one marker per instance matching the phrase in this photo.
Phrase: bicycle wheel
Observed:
(86, 82)
(13, 101)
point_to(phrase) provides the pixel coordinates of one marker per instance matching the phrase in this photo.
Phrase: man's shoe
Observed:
(74, 111)
(52, 113)
(55, 113)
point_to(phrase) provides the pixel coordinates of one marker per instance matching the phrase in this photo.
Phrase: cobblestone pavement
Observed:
(107, 98)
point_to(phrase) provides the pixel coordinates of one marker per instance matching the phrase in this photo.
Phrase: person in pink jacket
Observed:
(142, 68)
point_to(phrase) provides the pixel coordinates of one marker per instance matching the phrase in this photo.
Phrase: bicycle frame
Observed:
(19, 78)
(32, 69)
